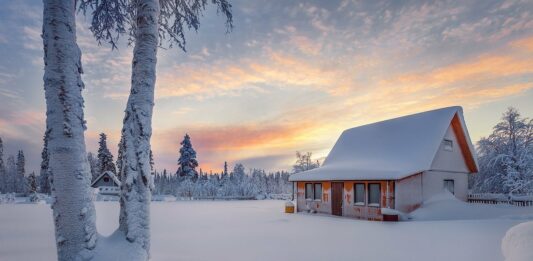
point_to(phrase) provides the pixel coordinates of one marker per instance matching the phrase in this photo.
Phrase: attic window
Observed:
(106, 179)
(448, 145)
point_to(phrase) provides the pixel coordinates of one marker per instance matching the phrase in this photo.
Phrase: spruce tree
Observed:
(21, 173)
(11, 174)
(3, 174)
(93, 164)
(105, 158)
(44, 175)
(187, 162)
(32, 187)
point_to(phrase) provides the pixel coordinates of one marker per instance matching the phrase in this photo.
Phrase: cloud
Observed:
(227, 77)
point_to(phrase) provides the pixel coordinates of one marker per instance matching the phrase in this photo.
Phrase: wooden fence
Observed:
(501, 199)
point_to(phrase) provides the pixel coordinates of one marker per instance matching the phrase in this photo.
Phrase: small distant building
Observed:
(391, 165)
(107, 184)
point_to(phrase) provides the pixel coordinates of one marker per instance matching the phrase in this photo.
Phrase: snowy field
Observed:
(259, 230)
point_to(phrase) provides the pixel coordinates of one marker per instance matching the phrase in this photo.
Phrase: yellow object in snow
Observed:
(289, 207)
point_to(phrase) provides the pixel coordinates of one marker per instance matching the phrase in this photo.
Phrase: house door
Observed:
(337, 189)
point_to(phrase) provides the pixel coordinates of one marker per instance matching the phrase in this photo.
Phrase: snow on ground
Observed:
(259, 230)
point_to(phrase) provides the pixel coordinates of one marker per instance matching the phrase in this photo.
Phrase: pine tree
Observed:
(187, 162)
(44, 175)
(21, 173)
(3, 174)
(105, 158)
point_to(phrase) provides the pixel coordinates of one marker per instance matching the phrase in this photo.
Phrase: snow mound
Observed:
(517, 243)
(116, 247)
(445, 206)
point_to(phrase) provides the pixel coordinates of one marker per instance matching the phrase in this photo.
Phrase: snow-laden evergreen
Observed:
(187, 162)
(73, 209)
(44, 174)
(3, 174)
(20, 180)
(11, 174)
(506, 157)
(32, 188)
(105, 158)
(93, 164)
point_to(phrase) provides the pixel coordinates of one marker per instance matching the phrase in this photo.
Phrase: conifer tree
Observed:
(105, 158)
(44, 175)
(11, 174)
(187, 162)
(21, 173)
(3, 174)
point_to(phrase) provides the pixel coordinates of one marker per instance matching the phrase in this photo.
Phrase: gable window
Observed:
(359, 194)
(374, 195)
(448, 145)
(308, 190)
(449, 185)
(318, 191)
(106, 179)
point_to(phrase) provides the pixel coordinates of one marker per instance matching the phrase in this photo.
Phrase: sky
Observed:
(291, 76)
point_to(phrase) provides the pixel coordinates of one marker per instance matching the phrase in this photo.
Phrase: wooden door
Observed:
(337, 190)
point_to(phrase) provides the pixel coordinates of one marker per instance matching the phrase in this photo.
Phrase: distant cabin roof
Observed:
(110, 175)
(391, 149)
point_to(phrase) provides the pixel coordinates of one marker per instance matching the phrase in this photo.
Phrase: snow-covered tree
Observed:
(11, 174)
(105, 158)
(3, 174)
(304, 162)
(146, 22)
(187, 162)
(93, 164)
(73, 209)
(44, 174)
(506, 156)
(20, 180)
(32, 187)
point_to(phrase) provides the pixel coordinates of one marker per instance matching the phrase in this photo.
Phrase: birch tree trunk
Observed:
(73, 210)
(137, 130)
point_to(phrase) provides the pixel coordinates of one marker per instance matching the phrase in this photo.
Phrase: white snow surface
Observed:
(517, 245)
(391, 149)
(260, 230)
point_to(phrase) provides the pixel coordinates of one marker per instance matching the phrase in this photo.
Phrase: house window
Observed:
(374, 195)
(448, 145)
(449, 185)
(308, 191)
(318, 191)
(359, 194)
(106, 179)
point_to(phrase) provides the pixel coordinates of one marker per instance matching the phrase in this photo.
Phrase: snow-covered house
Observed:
(107, 184)
(393, 164)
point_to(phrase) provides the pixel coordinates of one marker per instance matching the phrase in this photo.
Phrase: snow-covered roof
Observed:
(108, 173)
(388, 150)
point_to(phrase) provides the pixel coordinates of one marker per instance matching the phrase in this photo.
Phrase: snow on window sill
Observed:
(359, 203)
(375, 205)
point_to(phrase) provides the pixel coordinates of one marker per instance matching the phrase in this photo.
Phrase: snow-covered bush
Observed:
(506, 157)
